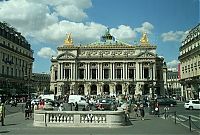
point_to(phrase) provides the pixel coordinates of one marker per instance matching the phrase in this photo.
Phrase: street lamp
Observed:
(27, 77)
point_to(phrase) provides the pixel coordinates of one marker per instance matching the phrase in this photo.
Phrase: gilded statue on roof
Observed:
(68, 40)
(144, 38)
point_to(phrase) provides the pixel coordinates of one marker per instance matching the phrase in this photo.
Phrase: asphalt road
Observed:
(182, 116)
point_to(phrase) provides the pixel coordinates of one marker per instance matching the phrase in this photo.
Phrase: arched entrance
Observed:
(145, 89)
(81, 90)
(118, 89)
(131, 89)
(93, 90)
(106, 89)
(66, 89)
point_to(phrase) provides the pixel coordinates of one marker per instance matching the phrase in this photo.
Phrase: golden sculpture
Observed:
(68, 40)
(144, 39)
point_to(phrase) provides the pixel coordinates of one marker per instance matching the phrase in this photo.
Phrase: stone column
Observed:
(61, 71)
(99, 89)
(98, 71)
(111, 71)
(70, 75)
(88, 71)
(137, 70)
(126, 70)
(154, 71)
(123, 71)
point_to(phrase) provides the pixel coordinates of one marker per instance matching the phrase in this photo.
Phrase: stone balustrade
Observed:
(79, 118)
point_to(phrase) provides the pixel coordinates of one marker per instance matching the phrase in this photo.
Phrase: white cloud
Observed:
(173, 36)
(80, 32)
(173, 64)
(50, 21)
(146, 27)
(46, 52)
(123, 33)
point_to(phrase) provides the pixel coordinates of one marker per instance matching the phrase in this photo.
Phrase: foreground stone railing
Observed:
(79, 118)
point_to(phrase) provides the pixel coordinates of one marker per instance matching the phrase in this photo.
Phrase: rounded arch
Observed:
(118, 88)
(93, 89)
(131, 89)
(106, 89)
(66, 89)
(81, 89)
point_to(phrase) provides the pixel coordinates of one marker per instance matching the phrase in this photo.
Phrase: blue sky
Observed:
(45, 24)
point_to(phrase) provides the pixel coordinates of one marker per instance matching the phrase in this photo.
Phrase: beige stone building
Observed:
(190, 64)
(41, 83)
(107, 67)
(16, 59)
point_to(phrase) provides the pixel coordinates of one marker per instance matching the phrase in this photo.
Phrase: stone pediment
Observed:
(146, 54)
(66, 55)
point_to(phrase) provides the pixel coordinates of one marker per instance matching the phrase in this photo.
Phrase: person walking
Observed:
(157, 109)
(76, 106)
(27, 110)
(142, 113)
(2, 113)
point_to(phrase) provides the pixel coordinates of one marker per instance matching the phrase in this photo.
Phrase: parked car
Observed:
(13, 103)
(166, 102)
(35, 101)
(105, 104)
(52, 102)
(81, 100)
(192, 104)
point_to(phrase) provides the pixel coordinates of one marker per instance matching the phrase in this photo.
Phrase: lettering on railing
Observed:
(93, 118)
(61, 118)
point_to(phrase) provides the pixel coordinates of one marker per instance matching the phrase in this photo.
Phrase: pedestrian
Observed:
(157, 109)
(142, 113)
(76, 106)
(41, 104)
(2, 113)
(166, 109)
(27, 111)
(60, 108)
(135, 109)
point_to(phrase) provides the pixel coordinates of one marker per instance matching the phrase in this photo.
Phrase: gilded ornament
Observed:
(144, 39)
(68, 40)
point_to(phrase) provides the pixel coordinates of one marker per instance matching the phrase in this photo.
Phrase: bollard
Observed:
(190, 123)
(165, 114)
(175, 117)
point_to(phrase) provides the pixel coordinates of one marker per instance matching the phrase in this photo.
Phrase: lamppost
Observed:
(27, 77)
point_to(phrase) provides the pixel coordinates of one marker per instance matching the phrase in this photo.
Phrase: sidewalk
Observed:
(16, 124)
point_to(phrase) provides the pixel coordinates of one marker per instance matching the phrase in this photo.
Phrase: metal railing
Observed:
(192, 125)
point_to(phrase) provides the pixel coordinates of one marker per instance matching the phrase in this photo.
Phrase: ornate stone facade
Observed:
(109, 67)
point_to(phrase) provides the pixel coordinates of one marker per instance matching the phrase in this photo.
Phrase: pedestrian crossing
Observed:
(181, 117)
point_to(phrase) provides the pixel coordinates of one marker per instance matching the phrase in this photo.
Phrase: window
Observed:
(2, 69)
(67, 73)
(93, 73)
(81, 74)
(146, 72)
(106, 73)
(118, 73)
(55, 75)
(131, 73)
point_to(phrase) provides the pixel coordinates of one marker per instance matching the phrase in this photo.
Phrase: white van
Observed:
(81, 100)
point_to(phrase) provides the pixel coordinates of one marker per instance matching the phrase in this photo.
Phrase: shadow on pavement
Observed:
(4, 132)
(12, 124)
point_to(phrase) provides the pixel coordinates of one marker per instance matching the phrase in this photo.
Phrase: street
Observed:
(16, 124)
(182, 116)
